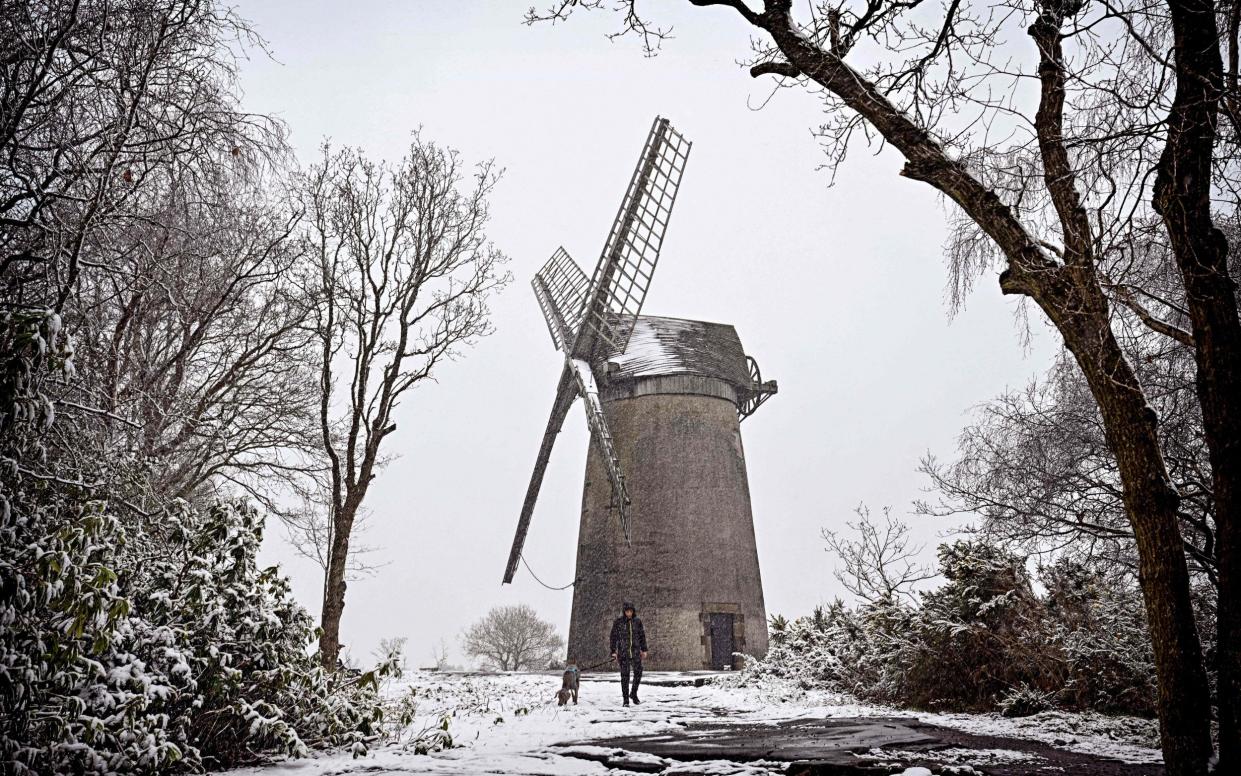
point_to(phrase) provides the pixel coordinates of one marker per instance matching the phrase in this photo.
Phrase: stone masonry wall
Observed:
(693, 547)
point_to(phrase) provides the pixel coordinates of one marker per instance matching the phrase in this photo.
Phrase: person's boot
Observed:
(634, 697)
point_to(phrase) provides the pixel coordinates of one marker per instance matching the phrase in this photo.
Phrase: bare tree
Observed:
(402, 272)
(879, 561)
(192, 327)
(439, 656)
(102, 94)
(132, 203)
(1054, 184)
(1035, 466)
(1187, 179)
(1035, 463)
(513, 638)
(309, 531)
(391, 649)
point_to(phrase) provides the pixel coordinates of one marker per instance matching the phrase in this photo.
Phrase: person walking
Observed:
(628, 646)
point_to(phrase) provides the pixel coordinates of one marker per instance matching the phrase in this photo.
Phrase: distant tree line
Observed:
(193, 328)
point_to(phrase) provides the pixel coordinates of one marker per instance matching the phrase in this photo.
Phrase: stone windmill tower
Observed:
(666, 518)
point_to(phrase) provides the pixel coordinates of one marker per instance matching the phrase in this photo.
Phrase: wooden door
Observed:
(722, 646)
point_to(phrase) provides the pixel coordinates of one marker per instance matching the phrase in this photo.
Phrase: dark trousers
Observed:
(625, 667)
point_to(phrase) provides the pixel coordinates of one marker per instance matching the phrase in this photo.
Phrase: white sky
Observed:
(838, 292)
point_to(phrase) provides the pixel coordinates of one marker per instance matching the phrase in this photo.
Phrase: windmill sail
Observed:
(560, 286)
(566, 392)
(601, 436)
(623, 275)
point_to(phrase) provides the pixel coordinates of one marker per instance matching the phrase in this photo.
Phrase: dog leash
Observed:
(596, 665)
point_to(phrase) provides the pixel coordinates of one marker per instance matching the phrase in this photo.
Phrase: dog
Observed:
(568, 684)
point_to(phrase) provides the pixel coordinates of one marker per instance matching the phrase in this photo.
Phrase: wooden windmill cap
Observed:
(707, 356)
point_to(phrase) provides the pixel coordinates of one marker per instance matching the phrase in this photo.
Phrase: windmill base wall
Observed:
(693, 551)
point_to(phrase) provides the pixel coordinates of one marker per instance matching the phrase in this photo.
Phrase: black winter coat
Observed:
(628, 639)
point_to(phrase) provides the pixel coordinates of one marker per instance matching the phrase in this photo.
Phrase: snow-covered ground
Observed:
(510, 724)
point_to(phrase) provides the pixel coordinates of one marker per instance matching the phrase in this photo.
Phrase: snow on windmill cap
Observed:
(676, 347)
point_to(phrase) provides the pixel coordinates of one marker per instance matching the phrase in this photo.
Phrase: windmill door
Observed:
(722, 646)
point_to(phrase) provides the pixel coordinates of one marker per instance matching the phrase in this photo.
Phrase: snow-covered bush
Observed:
(149, 644)
(801, 650)
(418, 735)
(1026, 701)
(156, 649)
(233, 638)
(977, 636)
(1100, 630)
(983, 640)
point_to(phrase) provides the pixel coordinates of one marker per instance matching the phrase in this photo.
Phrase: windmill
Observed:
(663, 400)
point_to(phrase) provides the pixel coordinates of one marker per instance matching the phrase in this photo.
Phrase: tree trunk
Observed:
(1131, 428)
(1225, 452)
(334, 587)
(1183, 199)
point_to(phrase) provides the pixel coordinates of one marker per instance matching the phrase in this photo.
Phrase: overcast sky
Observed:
(837, 291)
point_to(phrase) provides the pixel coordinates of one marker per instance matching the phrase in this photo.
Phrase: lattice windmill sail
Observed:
(623, 274)
(663, 401)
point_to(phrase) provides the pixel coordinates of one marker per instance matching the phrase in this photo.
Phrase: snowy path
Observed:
(509, 724)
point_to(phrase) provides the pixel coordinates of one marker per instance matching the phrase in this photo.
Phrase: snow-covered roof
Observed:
(675, 346)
